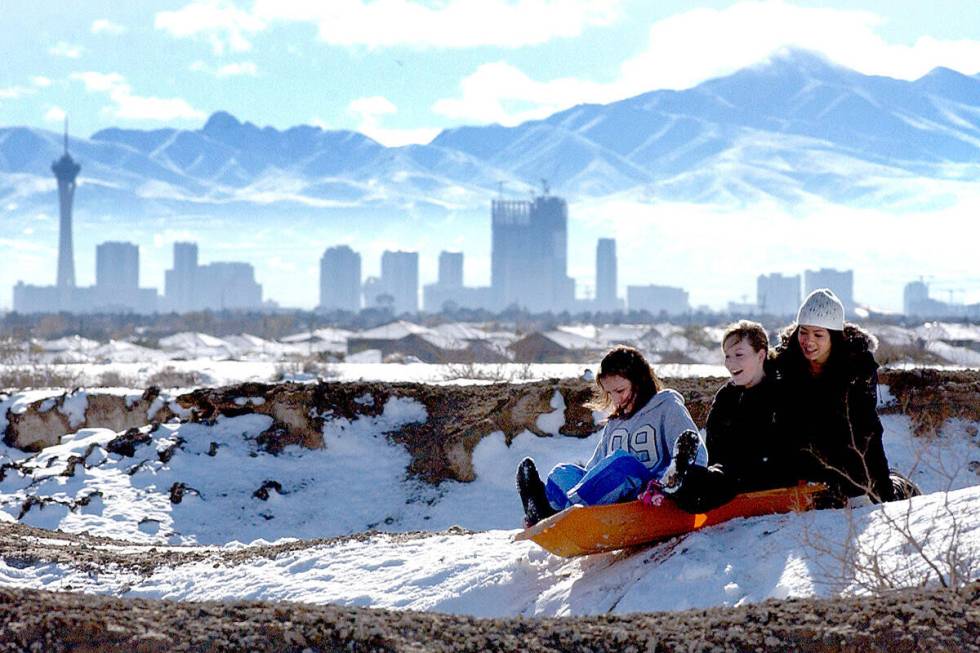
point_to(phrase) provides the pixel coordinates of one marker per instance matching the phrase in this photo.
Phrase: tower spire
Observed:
(65, 171)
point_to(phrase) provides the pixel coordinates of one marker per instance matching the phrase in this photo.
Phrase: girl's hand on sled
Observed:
(652, 495)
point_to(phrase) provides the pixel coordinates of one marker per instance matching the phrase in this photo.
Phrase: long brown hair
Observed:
(630, 364)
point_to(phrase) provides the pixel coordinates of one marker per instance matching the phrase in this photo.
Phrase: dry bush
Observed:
(498, 373)
(894, 354)
(470, 371)
(26, 377)
(311, 365)
(171, 377)
(935, 553)
(114, 379)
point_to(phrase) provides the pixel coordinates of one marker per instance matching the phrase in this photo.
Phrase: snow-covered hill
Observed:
(210, 490)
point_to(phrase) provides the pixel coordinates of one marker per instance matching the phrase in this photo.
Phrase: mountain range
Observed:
(791, 128)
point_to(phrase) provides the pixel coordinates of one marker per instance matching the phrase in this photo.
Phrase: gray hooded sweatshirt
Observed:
(650, 433)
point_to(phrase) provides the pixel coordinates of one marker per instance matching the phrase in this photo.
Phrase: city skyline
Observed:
(524, 275)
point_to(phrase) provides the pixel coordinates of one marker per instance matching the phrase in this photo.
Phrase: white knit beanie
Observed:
(821, 308)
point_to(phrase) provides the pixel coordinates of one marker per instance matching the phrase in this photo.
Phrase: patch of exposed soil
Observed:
(918, 620)
(930, 397)
(25, 545)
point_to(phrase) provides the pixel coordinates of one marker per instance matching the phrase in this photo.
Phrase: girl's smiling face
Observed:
(744, 363)
(815, 344)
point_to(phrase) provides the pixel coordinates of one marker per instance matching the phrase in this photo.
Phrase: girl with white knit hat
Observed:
(828, 388)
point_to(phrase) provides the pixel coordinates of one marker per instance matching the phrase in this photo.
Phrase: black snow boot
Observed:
(531, 489)
(903, 486)
(685, 452)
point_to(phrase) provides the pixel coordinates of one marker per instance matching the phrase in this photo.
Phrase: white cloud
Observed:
(106, 26)
(389, 23)
(370, 110)
(15, 92)
(63, 49)
(237, 69)
(55, 114)
(221, 23)
(19, 91)
(499, 92)
(243, 68)
(689, 48)
(692, 47)
(133, 107)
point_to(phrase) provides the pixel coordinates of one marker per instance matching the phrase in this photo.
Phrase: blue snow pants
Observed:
(620, 476)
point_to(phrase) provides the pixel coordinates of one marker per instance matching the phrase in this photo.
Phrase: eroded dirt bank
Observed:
(918, 620)
(459, 416)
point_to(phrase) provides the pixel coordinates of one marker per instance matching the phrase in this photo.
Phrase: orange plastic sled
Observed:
(592, 529)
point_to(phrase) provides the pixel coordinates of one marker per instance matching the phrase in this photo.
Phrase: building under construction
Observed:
(529, 256)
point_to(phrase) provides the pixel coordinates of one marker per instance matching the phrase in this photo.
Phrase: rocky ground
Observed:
(940, 620)
(915, 620)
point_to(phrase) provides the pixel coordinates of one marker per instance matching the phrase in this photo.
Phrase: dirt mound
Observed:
(918, 620)
(459, 416)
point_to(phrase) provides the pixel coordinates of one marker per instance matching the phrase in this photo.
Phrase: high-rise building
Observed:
(451, 269)
(529, 251)
(340, 279)
(916, 299)
(179, 282)
(215, 286)
(449, 293)
(658, 299)
(918, 303)
(777, 295)
(66, 172)
(841, 282)
(605, 275)
(226, 286)
(117, 265)
(117, 281)
(400, 280)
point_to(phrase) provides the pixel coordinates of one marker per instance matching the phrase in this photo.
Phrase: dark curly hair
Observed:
(790, 354)
(630, 364)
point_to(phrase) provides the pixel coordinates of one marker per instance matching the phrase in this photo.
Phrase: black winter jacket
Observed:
(744, 441)
(833, 418)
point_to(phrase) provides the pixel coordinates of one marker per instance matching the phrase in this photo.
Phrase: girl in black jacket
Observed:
(746, 451)
(827, 379)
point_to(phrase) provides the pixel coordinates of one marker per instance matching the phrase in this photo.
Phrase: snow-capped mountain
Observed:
(786, 129)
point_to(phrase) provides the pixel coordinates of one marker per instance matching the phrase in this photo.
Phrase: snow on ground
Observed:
(358, 482)
(486, 574)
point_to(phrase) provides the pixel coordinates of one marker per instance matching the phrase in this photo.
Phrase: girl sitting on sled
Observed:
(648, 436)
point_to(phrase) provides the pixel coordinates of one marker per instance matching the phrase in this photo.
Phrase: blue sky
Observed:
(401, 70)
